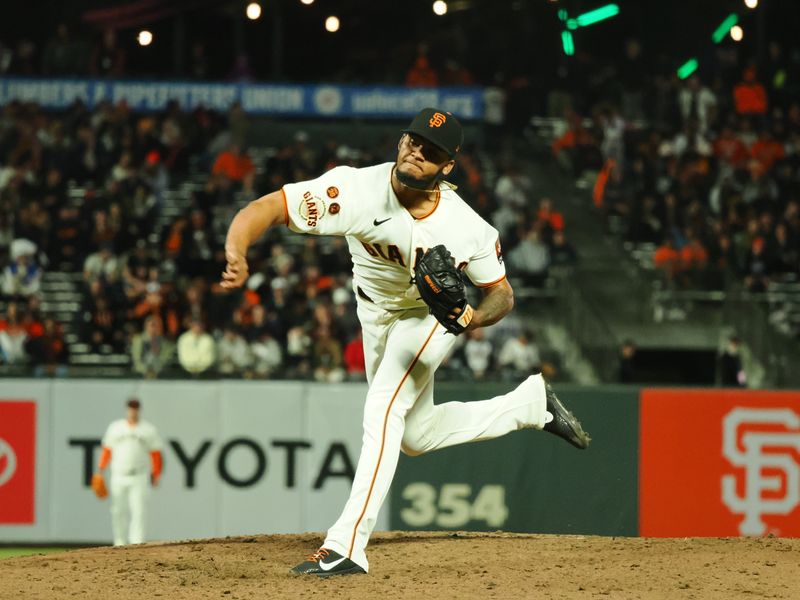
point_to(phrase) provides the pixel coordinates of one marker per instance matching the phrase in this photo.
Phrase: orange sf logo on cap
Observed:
(437, 120)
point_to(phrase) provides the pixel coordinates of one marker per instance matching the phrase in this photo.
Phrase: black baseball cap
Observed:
(438, 127)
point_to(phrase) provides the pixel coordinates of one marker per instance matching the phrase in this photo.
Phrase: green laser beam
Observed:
(724, 27)
(598, 14)
(687, 68)
(567, 43)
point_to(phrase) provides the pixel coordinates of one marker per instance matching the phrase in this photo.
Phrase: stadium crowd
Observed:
(84, 191)
(705, 169)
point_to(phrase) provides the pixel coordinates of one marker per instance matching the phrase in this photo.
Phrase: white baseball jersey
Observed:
(384, 239)
(130, 446)
(403, 343)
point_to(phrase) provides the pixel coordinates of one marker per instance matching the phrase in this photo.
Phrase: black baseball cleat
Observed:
(564, 423)
(325, 563)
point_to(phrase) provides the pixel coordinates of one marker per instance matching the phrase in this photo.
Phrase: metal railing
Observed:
(588, 329)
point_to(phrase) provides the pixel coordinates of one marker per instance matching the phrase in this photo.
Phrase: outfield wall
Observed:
(255, 457)
(239, 457)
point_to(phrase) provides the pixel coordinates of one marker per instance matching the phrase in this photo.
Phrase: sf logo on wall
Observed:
(763, 444)
(8, 462)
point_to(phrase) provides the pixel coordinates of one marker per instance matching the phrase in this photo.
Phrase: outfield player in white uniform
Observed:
(390, 214)
(133, 447)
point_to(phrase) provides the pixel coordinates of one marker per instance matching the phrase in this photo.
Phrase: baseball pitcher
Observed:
(412, 239)
(133, 447)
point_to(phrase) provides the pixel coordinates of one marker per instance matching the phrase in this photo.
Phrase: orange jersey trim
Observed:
(285, 209)
(156, 463)
(105, 457)
(491, 284)
(383, 437)
(435, 206)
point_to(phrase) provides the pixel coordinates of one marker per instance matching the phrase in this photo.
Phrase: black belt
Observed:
(363, 295)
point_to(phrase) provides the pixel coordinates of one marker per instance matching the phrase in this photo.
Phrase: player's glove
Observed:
(99, 486)
(442, 288)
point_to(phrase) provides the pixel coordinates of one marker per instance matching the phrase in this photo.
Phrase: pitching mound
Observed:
(420, 565)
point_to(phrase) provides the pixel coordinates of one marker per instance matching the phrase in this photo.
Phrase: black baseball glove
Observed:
(441, 287)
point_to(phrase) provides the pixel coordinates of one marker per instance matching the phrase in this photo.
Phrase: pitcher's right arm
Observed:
(247, 226)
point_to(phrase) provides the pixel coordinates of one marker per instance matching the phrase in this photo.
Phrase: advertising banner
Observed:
(337, 101)
(17, 461)
(239, 457)
(528, 481)
(719, 463)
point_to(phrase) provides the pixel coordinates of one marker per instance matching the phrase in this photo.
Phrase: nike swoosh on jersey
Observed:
(376, 222)
(328, 566)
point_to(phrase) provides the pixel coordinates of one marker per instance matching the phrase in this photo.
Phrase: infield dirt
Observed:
(420, 565)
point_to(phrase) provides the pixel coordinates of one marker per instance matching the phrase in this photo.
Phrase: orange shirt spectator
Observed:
(767, 151)
(233, 164)
(667, 258)
(422, 74)
(730, 149)
(749, 95)
(693, 255)
(549, 217)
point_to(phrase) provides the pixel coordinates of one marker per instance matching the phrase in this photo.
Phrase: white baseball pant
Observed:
(128, 494)
(402, 350)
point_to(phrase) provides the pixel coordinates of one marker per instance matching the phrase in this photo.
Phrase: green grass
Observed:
(12, 552)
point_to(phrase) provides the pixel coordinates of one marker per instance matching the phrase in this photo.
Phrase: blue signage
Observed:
(264, 99)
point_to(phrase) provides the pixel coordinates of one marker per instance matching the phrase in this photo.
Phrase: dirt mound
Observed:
(414, 565)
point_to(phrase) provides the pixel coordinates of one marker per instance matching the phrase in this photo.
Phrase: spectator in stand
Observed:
(549, 219)
(326, 357)
(530, 259)
(267, 354)
(730, 364)
(520, 354)
(749, 96)
(234, 355)
(729, 149)
(150, 350)
(108, 58)
(235, 165)
(102, 265)
(693, 260)
(697, 103)
(478, 353)
(354, 357)
(23, 277)
(627, 362)
(421, 74)
(64, 55)
(13, 336)
(757, 267)
(49, 352)
(513, 188)
(103, 326)
(667, 260)
(765, 152)
(562, 252)
(196, 349)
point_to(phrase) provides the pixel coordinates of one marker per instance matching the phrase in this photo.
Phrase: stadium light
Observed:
(567, 43)
(687, 68)
(440, 7)
(597, 15)
(751, 3)
(724, 27)
(145, 38)
(307, 2)
(737, 33)
(332, 24)
(253, 11)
